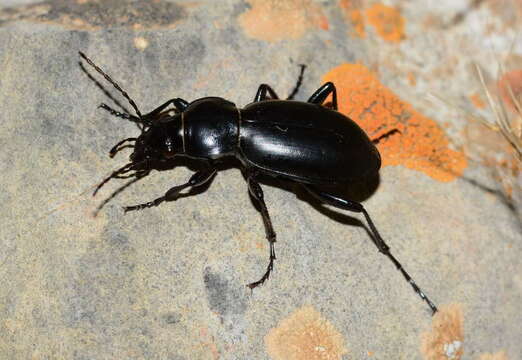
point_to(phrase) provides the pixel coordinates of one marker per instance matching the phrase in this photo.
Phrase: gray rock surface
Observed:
(169, 282)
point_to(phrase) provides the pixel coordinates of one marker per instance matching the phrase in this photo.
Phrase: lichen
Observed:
(305, 334)
(419, 144)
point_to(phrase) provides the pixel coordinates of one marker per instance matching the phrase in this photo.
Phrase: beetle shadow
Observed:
(359, 191)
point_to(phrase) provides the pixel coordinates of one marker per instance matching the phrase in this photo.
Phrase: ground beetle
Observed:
(303, 142)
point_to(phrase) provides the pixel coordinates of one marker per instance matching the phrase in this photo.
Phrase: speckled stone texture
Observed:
(169, 282)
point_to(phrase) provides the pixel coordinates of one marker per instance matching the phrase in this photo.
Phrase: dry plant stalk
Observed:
(511, 129)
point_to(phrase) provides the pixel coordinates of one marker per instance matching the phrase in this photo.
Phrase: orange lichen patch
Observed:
(412, 80)
(421, 144)
(273, 20)
(353, 13)
(387, 21)
(477, 101)
(510, 88)
(444, 341)
(497, 356)
(208, 341)
(323, 22)
(305, 335)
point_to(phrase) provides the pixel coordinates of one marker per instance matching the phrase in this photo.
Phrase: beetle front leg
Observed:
(376, 237)
(198, 179)
(257, 193)
(320, 95)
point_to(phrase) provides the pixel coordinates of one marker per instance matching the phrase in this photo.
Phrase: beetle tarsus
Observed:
(269, 269)
(298, 83)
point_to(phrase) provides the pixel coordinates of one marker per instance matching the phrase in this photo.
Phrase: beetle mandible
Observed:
(303, 142)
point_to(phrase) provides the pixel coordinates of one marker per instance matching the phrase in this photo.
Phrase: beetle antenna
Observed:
(109, 79)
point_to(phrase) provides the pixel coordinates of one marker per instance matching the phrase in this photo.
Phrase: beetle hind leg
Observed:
(378, 139)
(257, 194)
(376, 237)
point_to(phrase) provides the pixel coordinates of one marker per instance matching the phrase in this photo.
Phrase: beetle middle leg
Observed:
(257, 194)
(265, 92)
(320, 95)
(198, 179)
(376, 237)
(262, 91)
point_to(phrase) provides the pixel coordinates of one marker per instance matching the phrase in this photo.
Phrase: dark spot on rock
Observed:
(223, 297)
(175, 357)
(91, 15)
(171, 318)
(118, 239)
(239, 8)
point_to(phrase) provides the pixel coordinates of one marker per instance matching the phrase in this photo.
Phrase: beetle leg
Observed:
(298, 84)
(261, 93)
(179, 104)
(385, 135)
(257, 193)
(320, 95)
(198, 179)
(376, 237)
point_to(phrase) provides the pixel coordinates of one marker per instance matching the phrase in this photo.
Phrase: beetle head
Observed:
(159, 142)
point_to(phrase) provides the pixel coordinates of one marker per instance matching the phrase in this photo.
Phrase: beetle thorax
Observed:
(211, 128)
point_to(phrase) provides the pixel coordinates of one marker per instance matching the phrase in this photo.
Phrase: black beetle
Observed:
(303, 142)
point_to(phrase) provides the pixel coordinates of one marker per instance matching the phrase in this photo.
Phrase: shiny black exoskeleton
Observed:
(303, 142)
